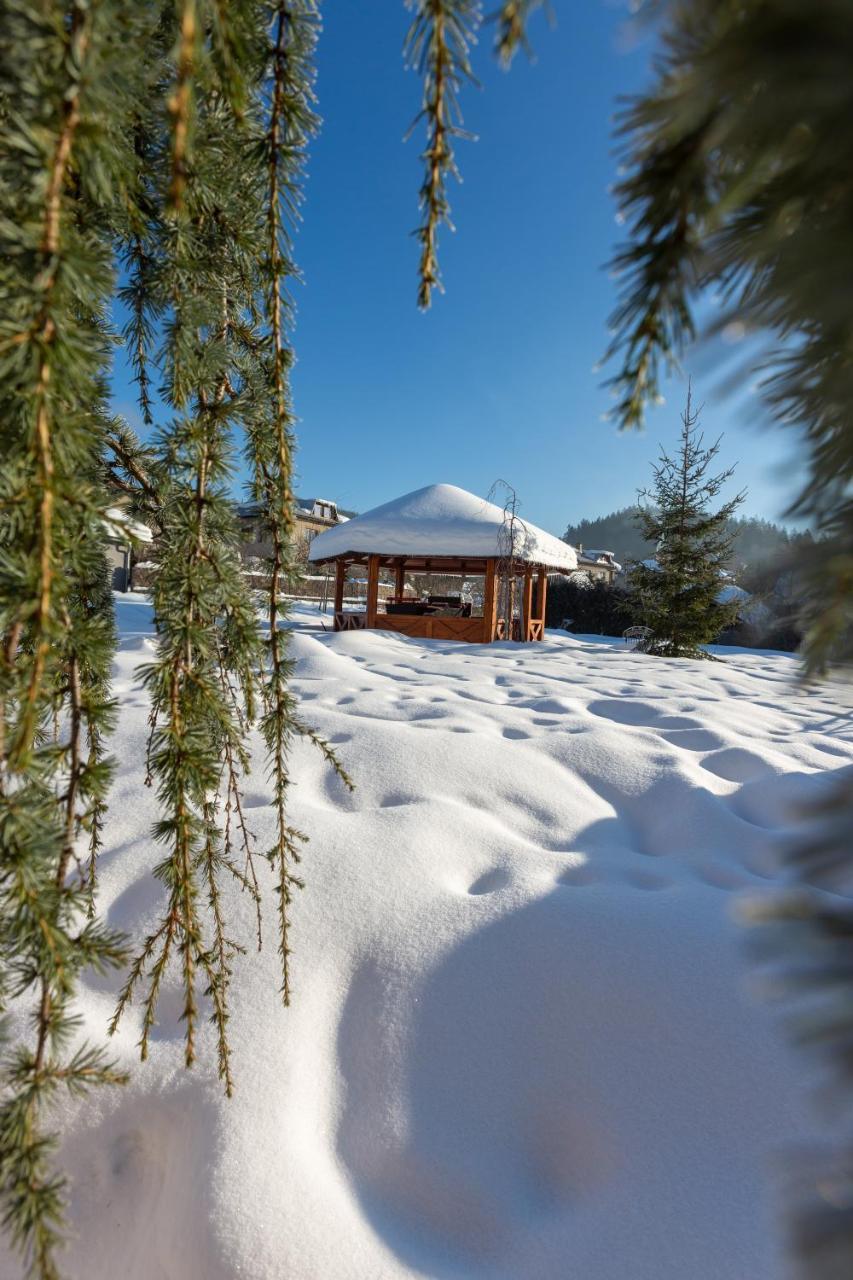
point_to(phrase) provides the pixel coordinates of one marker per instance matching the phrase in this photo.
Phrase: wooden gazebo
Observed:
(443, 530)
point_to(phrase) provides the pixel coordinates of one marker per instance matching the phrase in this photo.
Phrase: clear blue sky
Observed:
(497, 379)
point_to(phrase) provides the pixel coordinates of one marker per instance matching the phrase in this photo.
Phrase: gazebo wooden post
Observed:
(340, 577)
(372, 589)
(489, 602)
(527, 605)
(542, 596)
(399, 579)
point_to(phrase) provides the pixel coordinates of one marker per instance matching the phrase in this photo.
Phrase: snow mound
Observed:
(521, 1046)
(442, 520)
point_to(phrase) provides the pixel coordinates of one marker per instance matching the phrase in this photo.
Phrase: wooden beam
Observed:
(372, 589)
(527, 604)
(490, 602)
(399, 579)
(340, 577)
(542, 596)
(453, 565)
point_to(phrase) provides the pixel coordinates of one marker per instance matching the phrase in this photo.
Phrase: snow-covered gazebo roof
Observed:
(442, 521)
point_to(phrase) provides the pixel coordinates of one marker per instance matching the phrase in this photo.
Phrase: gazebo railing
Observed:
(448, 615)
(535, 629)
(348, 620)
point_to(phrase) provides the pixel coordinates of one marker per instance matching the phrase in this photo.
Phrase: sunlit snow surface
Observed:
(523, 1043)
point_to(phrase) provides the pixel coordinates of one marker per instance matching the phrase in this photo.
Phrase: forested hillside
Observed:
(756, 541)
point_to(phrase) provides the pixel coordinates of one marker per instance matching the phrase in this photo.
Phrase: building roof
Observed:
(303, 507)
(586, 555)
(442, 520)
(121, 526)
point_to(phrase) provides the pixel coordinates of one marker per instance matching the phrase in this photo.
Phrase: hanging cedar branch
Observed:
(67, 86)
(438, 49)
(737, 178)
(511, 21)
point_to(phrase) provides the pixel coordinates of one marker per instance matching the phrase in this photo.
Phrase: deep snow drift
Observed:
(522, 1045)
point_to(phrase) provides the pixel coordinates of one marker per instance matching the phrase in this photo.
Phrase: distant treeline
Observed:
(600, 609)
(757, 542)
(762, 562)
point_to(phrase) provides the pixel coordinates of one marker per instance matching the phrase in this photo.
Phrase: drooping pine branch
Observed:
(666, 200)
(292, 122)
(438, 48)
(43, 340)
(219, 262)
(511, 20)
(181, 103)
(68, 72)
(747, 131)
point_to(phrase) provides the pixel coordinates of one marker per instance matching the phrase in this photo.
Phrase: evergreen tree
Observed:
(67, 85)
(152, 152)
(678, 590)
(170, 138)
(736, 176)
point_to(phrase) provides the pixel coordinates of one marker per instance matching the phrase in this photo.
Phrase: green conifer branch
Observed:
(291, 124)
(277, 471)
(746, 130)
(43, 623)
(511, 20)
(59, 66)
(220, 378)
(181, 101)
(437, 48)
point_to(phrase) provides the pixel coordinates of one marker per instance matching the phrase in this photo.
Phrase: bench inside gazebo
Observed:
(446, 532)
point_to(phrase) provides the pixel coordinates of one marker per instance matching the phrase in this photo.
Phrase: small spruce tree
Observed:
(679, 590)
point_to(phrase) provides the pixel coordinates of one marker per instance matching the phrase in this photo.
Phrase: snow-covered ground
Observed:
(523, 1045)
